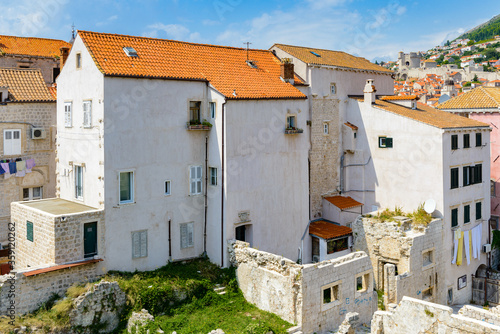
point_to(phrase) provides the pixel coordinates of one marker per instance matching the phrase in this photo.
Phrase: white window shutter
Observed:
(190, 231)
(184, 238)
(144, 243)
(7, 142)
(16, 142)
(136, 247)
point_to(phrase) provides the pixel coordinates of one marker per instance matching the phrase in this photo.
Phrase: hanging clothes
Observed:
(467, 249)
(30, 163)
(470, 242)
(2, 171)
(21, 168)
(5, 167)
(12, 167)
(479, 238)
(460, 249)
(474, 249)
(455, 246)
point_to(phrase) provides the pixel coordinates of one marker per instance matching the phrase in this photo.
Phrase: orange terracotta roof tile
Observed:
(477, 98)
(224, 67)
(31, 46)
(53, 91)
(330, 58)
(327, 230)
(25, 85)
(391, 98)
(59, 267)
(431, 116)
(343, 202)
(352, 126)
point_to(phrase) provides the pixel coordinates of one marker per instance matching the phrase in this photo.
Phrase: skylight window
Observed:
(130, 51)
(314, 53)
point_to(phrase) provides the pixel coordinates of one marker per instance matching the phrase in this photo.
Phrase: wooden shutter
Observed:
(67, 114)
(144, 243)
(7, 142)
(184, 237)
(388, 142)
(136, 244)
(87, 113)
(190, 232)
(198, 180)
(192, 179)
(29, 231)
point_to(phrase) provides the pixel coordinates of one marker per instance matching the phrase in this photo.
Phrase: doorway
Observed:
(89, 239)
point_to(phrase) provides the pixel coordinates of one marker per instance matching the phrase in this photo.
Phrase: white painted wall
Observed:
(323, 250)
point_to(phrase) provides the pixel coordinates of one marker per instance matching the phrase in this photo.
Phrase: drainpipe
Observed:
(342, 172)
(169, 240)
(206, 199)
(222, 190)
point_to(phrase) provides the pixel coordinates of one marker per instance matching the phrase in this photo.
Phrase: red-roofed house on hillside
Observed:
(202, 145)
(31, 52)
(28, 130)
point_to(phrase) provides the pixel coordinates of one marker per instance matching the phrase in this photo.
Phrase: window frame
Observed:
(78, 181)
(197, 180)
(454, 217)
(87, 114)
(140, 234)
(454, 178)
(326, 128)
(366, 281)
(195, 107)
(479, 139)
(479, 209)
(466, 139)
(131, 186)
(213, 178)
(467, 214)
(78, 60)
(291, 125)
(188, 234)
(337, 285)
(427, 265)
(454, 142)
(168, 187)
(30, 231)
(333, 88)
(385, 142)
(68, 114)
(15, 144)
(337, 241)
(31, 196)
(212, 107)
(493, 188)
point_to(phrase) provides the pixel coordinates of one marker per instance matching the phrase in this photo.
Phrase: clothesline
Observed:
(19, 167)
(470, 241)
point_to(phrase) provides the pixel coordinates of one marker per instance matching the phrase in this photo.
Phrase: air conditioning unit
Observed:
(38, 133)
(486, 248)
(315, 258)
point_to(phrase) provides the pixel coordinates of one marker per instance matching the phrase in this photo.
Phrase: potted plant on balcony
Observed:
(293, 130)
(195, 124)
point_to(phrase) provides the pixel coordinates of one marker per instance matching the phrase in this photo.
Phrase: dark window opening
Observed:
(337, 245)
(454, 217)
(454, 142)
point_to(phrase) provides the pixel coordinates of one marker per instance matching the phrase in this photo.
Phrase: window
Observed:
(29, 231)
(130, 51)
(427, 294)
(167, 187)
(78, 60)
(290, 122)
(337, 245)
(195, 175)
(30, 194)
(187, 235)
(362, 282)
(479, 139)
(472, 174)
(466, 214)
(194, 112)
(139, 244)
(212, 110)
(11, 142)
(454, 142)
(466, 176)
(427, 258)
(78, 182)
(67, 114)
(87, 114)
(466, 140)
(55, 73)
(478, 210)
(325, 128)
(478, 173)
(213, 176)
(493, 192)
(384, 142)
(333, 88)
(454, 217)
(126, 187)
(331, 293)
(454, 178)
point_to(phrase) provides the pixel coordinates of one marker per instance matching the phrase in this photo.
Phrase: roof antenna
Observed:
(248, 45)
(72, 33)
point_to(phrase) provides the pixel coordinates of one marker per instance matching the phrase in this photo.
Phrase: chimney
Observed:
(287, 70)
(369, 92)
(64, 55)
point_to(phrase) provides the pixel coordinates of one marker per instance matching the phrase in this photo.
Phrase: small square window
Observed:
(333, 88)
(384, 142)
(427, 258)
(330, 293)
(362, 283)
(454, 142)
(325, 128)
(167, 187)
(213, 176)
(466, 140)
(78, 60)
(479, 139)
(427, 294)
(212, 110)
(291, 122)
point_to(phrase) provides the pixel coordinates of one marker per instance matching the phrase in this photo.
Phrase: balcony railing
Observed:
(292, 131)
(199, 126)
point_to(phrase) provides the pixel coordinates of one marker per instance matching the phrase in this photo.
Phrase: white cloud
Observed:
(326, 3)
(107, 21)
(173, 31)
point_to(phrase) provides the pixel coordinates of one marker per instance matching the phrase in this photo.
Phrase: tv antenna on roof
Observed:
(248, 46)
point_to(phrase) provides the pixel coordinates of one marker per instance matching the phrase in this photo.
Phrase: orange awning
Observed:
(326, 230)
(343, 202)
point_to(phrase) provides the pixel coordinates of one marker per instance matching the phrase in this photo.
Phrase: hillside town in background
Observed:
(350, 195)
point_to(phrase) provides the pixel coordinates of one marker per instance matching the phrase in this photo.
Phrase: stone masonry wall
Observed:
(31, 292)
(42, 150)
(324, 154)
(45, 64)
(404, 244)
(295, 292)
(414, 316)
(491, 316)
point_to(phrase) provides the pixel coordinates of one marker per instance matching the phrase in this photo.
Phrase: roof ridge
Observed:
(489, 95)
(307, 47)
(170, 40)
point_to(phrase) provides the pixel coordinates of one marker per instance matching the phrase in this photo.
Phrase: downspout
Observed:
(222, 190)
(342, 172)
(169, 240)
(206, 198)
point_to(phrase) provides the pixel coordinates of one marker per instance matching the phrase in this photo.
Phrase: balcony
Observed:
(198, 126)
(292, 131)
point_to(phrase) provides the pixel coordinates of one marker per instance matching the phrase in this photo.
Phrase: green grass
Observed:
(380, 300)
(419, 216)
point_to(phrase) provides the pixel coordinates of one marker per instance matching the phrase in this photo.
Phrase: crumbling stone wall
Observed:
(414, 316)
(30, 292)
(399, 251)
(295, 292)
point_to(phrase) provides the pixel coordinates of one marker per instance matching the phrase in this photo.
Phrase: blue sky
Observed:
(368, 28)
